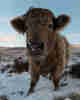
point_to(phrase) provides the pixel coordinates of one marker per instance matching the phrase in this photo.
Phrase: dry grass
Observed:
(73, 96)
(4, 97)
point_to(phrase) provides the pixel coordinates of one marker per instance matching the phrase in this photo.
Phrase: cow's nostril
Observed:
(29, 43)
(35, 45)
(41, 45)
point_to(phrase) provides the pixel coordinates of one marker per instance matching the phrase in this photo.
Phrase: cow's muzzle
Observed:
(36, 47)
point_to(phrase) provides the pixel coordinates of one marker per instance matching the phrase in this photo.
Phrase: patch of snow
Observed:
(17, 85)
(14, 85)
(67, 99)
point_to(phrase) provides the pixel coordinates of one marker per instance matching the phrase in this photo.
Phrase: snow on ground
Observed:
(17, 85)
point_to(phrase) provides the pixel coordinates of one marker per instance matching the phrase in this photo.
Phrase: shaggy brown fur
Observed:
(46, 48)
(19, 66)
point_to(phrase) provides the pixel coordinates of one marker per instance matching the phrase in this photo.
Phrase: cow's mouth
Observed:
(35, 48)
(35, 52)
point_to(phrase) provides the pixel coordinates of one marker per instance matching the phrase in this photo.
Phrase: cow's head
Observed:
(40, 25)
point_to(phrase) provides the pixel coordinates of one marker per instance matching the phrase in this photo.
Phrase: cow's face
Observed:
(40, 26)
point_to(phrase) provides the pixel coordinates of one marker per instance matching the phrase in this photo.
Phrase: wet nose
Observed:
(35, 44)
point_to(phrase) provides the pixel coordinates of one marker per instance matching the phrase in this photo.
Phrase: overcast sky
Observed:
(11, 8)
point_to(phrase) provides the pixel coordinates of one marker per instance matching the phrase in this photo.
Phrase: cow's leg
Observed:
(58, 71)
(56, 79)
(35, 75)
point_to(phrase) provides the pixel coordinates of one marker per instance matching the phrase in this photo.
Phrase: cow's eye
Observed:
(50, 27)
(26, 27)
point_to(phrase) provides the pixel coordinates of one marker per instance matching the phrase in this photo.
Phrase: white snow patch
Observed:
(12, 86)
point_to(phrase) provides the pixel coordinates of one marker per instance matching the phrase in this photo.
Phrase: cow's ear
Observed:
(18, 24)
(61, 21)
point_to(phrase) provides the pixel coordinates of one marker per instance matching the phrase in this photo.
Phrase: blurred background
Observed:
(10, 8)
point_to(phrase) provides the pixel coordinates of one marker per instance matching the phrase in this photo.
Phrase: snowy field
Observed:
(15, 86)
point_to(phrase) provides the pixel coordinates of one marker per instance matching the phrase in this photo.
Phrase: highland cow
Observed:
(46, 48)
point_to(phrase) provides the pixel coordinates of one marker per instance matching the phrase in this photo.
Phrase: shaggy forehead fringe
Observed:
(31, 10)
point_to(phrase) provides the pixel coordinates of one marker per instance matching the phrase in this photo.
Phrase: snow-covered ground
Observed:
(15, 86)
